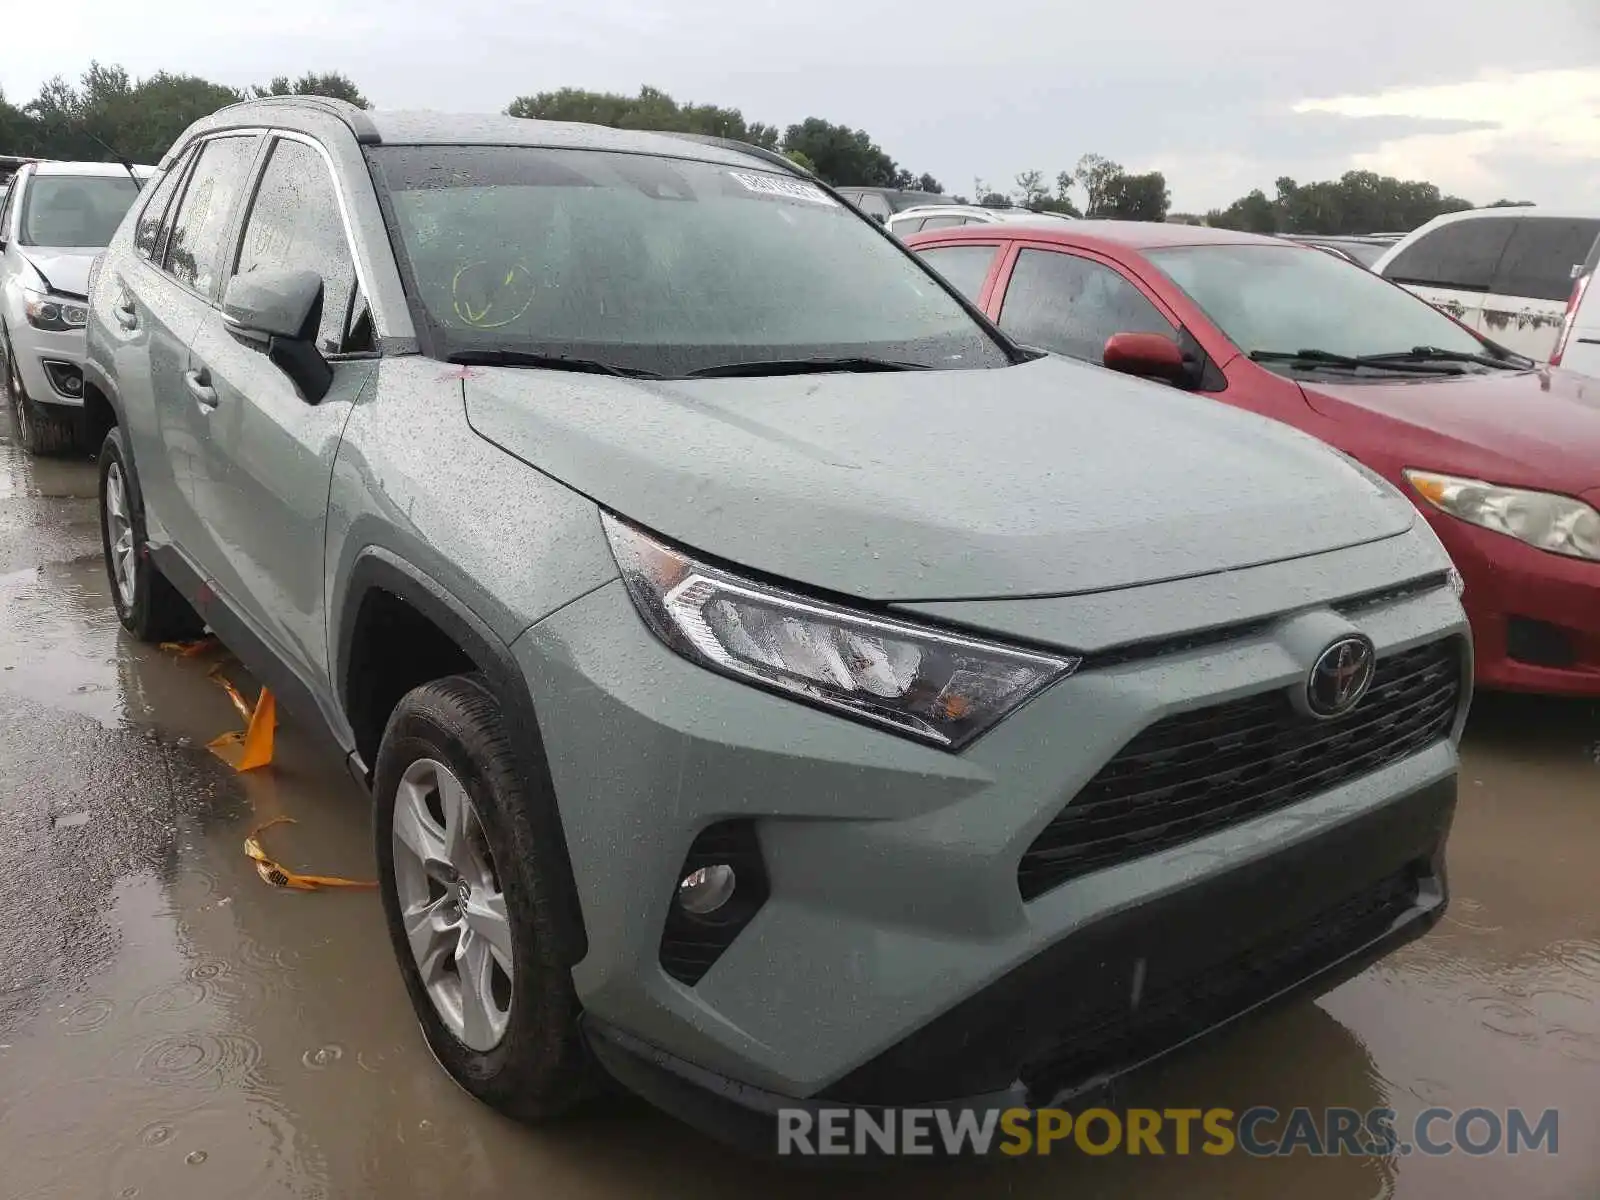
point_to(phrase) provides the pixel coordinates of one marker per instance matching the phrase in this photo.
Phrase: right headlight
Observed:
(1559, 524)
(57, 314)
(924, 683)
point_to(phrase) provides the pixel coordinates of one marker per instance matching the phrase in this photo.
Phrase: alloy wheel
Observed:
(452, 904)
(119, 536)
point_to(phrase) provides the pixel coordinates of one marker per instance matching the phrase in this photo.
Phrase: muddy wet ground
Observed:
(172, 1027)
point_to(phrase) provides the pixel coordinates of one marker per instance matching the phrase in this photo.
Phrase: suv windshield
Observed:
(1288, 298)
(658, 265)
(75, 210)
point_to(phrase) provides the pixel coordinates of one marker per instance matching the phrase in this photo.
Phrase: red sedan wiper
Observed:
(1512, 362)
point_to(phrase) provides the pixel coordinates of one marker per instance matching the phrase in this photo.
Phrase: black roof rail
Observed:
(352, 115)
(769, 156)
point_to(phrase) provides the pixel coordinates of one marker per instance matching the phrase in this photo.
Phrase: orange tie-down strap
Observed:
(251, 748)
(278, 875)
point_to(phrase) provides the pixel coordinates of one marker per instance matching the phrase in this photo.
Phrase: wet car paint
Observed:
(170, 1026)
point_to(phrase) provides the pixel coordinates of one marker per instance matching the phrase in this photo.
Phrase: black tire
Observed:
(540, 1068)
(158, 612)
(42, 429)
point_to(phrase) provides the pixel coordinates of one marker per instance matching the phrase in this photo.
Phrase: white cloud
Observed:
(1535, 118)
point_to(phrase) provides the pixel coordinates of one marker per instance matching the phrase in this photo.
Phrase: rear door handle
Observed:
(199, 384)
(126, 316)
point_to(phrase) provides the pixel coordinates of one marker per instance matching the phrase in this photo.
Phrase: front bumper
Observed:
(1535, 615)
(892, 867)
(37, 351)
(1128, 989)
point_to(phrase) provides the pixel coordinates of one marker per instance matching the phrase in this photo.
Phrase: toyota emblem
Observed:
(1340, 677)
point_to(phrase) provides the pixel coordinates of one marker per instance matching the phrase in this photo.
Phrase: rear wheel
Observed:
(466, 890)
(41, 428)
(148, 606)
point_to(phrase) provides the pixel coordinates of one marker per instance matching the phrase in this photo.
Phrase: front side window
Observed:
(965, 266)
(152, 218)
(661, 265)
(294, 223)
(1073, 305)
(873, 205)
(196, 248)
(1461, 255)
(1278, 299)
(74, 211)
(1543, 257)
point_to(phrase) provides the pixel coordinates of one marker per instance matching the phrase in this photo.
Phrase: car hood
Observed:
(1533, 428)
(64, 270)
(1048, 478)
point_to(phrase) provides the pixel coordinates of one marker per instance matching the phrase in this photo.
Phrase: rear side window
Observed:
(873, 205)
(294, 223)
(1544, 256)
(200, 230)
(1461, 255)
(906, 226)
(1061, 302)
(147, 233)
(965, 266)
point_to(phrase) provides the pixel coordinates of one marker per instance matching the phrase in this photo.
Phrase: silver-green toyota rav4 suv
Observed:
(775, 687)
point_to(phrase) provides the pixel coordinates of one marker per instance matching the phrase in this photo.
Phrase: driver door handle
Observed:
(126, 316)
(198, 380)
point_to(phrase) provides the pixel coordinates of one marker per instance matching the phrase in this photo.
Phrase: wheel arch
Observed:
(379, 580)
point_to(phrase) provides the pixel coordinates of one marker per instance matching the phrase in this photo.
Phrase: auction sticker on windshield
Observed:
(788, 189)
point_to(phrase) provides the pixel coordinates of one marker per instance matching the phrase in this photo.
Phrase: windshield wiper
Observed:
(1512, 362)
(1326, 358)
(802, 366)
(553, 362)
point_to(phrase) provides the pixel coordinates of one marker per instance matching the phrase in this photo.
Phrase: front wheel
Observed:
(465, 888)
(41, 429)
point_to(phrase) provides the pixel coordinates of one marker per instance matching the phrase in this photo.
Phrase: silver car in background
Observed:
(54, 221)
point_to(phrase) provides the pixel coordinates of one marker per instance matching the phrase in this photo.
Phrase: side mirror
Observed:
(282, 309)
(1148, 355)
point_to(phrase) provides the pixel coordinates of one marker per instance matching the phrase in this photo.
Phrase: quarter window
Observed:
(1542, 255)
(965, 266)
(942, 223)
(1462, 255)
(294, 223)
(1072, 305)
(196, 248)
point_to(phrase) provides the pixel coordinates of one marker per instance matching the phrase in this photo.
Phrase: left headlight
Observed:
(1559, 524)
(924, 683)
(55, 313)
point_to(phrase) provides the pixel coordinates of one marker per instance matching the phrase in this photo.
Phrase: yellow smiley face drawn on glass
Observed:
(488, 295)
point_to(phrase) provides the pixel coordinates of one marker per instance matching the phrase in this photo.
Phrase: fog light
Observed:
(72, 385)
(706, 890)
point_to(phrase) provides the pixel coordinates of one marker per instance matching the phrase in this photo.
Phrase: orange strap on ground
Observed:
(252, 748)
(278, 875)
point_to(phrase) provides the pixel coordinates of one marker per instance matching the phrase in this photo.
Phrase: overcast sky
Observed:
(1487, 98)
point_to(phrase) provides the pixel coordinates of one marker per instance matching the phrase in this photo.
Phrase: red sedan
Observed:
(1503, 458)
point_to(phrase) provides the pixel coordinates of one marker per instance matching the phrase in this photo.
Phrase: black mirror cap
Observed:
(302, 362)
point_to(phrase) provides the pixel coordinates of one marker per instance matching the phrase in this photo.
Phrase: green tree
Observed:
(650, 109)
(1096, 175)
(1031, 190)
(800, 160)
(843, 156)
(927, 183)
(140, 120)
(1137, 197)
(332, 84)
(1253, 213)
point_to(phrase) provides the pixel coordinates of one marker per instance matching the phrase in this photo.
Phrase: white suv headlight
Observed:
(57, 314)
(924, 683)
(1559, 524)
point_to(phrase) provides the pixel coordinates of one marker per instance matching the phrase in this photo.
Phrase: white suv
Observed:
(947, 216)
(1503, 272)
(56, 217)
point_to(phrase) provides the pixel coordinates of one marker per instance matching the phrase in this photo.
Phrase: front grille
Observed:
(1196, 772)
(1096, 1043)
